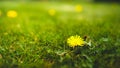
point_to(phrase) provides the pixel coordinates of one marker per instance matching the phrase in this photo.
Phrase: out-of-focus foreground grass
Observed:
(37, 35)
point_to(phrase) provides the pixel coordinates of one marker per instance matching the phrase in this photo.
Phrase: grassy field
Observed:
(35, 39)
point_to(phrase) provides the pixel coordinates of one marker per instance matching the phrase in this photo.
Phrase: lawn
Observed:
(36, 38)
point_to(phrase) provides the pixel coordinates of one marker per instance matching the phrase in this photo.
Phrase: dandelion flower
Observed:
(12, 14)
(75, 41)
(52, 12)
(78, 8)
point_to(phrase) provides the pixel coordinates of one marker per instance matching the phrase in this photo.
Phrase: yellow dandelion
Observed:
(75, 41)
(12, 14)
(52, 12)
(78, 8)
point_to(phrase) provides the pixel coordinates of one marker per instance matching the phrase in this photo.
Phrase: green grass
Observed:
(35, 39)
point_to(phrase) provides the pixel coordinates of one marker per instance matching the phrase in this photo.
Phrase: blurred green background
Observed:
(63, 0)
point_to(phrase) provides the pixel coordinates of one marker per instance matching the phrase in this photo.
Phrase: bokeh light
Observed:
(78, 8)
(12, 14)
(52, 12)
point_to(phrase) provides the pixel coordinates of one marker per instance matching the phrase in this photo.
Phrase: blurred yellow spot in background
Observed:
(52, 12)
(78, 8)
(12, 14)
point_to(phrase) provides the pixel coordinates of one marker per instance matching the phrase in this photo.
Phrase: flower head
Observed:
(75, 41)
(78, 8)
(12, 14)
(52, 12)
